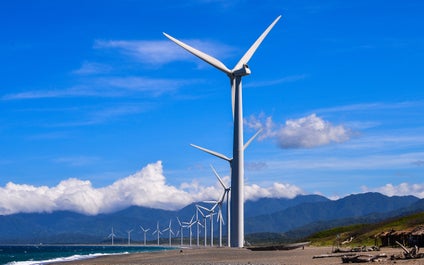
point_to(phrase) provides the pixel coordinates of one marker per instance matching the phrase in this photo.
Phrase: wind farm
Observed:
(237, 161)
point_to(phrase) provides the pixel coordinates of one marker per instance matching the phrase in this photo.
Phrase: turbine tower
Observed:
(129, 236)
(170, 232)
(237, 162)
(227, 194)
(112, 235)
(144, 231)
(157, 231)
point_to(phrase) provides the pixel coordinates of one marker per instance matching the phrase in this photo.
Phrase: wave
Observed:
(64, 259)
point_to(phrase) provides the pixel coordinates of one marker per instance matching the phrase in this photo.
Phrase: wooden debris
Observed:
(409, 254)
(332, 255)
(363, 258)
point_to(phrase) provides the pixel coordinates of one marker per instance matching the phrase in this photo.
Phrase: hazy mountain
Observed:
(265, 206)
(351, 207)
(305, 213)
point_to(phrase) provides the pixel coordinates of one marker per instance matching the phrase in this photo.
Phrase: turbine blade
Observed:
(252, 138)
(246, 57)
(205, 57)
(218, 177)
(213, 153)
(222, 198)
(210, 202)
(203, 208)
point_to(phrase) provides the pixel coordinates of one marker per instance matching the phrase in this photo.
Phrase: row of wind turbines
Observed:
(235, 231)
(241, 69)
(200, 219)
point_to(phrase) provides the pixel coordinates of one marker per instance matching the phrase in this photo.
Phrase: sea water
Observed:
(44, 254)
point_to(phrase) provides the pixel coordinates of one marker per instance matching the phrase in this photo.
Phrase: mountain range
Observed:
(296, 218)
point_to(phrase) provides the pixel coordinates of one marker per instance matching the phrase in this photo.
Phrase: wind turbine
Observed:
(226, 194)
(189, 225)
(157, 231)
(112, 235)
(199, 207)
(219, 218)
(144, 231)
(170, 231)
(210, 215)
(237, 162)
(198, 223)
(181, 230)
(129, 236)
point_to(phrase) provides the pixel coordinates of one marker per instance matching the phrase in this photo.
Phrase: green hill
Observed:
(364, 234)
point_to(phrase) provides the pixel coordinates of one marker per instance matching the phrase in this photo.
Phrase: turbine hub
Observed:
(242, 71)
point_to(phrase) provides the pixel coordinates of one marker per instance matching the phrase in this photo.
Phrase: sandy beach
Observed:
(218, 256)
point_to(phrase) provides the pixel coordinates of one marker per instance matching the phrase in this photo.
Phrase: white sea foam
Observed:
(63, 259)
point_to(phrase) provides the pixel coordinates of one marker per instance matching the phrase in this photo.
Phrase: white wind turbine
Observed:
(189, 225)
(220, 218)
(144, 231)
(112, 235)
(157, 231)
(181, 230)
(198, 223)
(170, 231)
(237, 162)
(129, 236)
(210, 216)
(199, 208)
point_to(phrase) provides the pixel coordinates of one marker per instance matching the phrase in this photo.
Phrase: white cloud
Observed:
(146, 187)
(107, 87)
(403, 189)
(277, 190)
(306, 132)
(89, 68)
(164, 51)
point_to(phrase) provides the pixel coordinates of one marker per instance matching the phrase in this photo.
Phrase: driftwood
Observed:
(332, 255)
(362, 258)
(357, 249)
(409, 254)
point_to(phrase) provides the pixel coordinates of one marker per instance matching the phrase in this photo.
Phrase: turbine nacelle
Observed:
(242, 71)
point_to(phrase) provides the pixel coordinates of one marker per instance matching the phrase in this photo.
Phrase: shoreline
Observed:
(220, 256)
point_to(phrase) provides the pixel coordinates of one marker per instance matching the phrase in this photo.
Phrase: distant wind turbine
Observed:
(170, 232)
(210, 215)
(157, 231)
(237, 162)
(198, 223)
(144, 231)
(189, 225)
(181, 230)
(129, 236)
(226, 194)
(199, 208)
(112, 235)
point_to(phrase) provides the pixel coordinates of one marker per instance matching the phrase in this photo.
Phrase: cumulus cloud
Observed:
(306, 132)
(403, 189)
(277, 190)
(146, 187)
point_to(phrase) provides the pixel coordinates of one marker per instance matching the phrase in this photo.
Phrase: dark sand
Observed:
(219, 256)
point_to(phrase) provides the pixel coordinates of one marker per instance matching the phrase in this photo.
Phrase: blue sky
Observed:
(95, 101)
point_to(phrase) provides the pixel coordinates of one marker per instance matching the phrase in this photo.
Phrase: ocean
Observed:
(44, 254)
